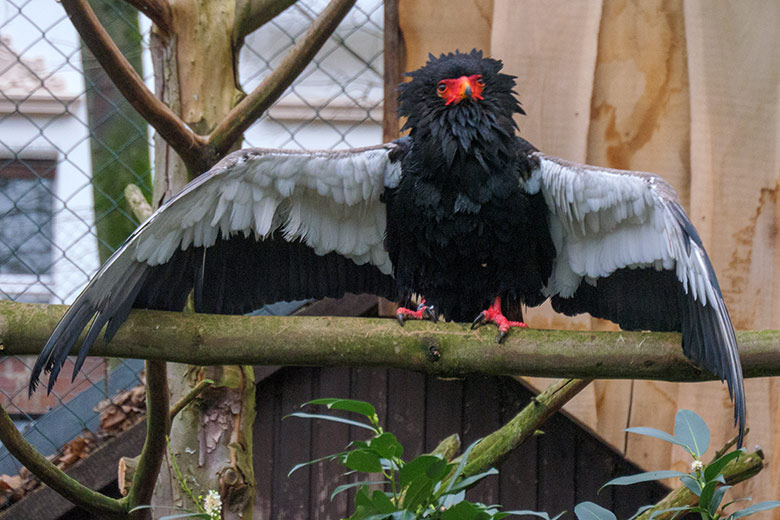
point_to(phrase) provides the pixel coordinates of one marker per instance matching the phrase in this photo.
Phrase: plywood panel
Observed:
(734, 63)
(640, 120)
(441, 26)
(551, 48)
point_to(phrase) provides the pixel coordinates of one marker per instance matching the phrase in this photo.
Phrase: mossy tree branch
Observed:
(493, 449)
(444, 349)
(158, 421)
(54, 477)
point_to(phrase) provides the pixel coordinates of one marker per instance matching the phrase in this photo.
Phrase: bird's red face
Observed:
(455, 90)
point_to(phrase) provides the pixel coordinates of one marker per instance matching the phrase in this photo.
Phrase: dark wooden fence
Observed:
(552, 472)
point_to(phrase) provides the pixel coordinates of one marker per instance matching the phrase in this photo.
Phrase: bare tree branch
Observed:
(53, 476)
(445, 349)
(157, 427)
(253, 14)
(158, 11)
(230, 129)
(187, 144)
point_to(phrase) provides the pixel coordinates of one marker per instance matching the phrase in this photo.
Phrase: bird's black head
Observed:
(459, 100)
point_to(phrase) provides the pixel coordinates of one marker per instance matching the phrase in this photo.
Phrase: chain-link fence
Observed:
(66, 136)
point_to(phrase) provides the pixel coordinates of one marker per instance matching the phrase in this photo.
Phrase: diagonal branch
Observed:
(157, 427)
(230, 129)
(253, 14)
(54, 477)
(158, 11)
(444, 349)
(494, 448)
(187, 143)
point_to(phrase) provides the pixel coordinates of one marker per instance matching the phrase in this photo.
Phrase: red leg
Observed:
(495, 316)
(423, 312)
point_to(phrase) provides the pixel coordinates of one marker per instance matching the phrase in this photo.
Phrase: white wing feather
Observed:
(603, 220)
(329, 200)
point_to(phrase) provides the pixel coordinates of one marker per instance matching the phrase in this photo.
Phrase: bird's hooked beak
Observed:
(455, 90)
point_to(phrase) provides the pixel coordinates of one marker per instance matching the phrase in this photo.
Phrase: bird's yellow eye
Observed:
(442, 87)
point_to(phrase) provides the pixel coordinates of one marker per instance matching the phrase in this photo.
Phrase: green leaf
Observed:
(641, 510)
(643, 477)
(452, 499)
(714, 468)
(363, 499)
(692, 484)
(463, 459)
(416, 467)
(707, 492)
(349, 405)
(755, 508)
(717, 497)
(438, 470)
(345, 487)
(692, 431)
(658, 434)
(591, 511)
(468, 482)
(333, 418)
(309, 463)
(366, 461)
(387, 445)
(525, 512)
(417, 492)
(461, 511)
(382, 502)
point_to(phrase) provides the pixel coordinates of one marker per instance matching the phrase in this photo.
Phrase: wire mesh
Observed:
(56, 111)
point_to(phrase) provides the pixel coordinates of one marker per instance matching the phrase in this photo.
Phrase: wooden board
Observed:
(689, 89)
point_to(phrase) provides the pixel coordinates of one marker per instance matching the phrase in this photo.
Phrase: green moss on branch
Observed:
(326, 341)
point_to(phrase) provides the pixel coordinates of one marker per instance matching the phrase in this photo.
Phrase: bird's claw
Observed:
(479, 320)
(423, 312)
(501, 335)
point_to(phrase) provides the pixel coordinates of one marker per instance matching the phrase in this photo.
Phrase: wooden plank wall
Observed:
(547, 473)
(689, 89)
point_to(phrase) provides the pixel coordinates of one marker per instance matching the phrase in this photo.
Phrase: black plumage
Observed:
(461, 212)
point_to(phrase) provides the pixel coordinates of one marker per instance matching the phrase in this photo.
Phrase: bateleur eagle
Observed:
(461, 212)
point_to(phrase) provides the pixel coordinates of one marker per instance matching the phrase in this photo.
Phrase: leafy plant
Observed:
(427, 486)
(704, 481)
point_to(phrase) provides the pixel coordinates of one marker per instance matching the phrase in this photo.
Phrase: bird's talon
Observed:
(400, 317)
(478, 321)
(430, 313)
(501, 335)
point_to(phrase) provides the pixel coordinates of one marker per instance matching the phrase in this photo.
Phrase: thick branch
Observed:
(186, 143)
(54, 477)
(157, 427)
(494, 448)
(205, 339)
(231, 128)
(253, 14)
(158, 11)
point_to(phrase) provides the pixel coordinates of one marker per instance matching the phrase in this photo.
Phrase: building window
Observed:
(26, 214)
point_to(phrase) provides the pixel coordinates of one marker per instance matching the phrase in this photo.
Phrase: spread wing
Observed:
(627, 252)
(226, 234)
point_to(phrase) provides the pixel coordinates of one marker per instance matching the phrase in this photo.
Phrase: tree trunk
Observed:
(195, 75)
